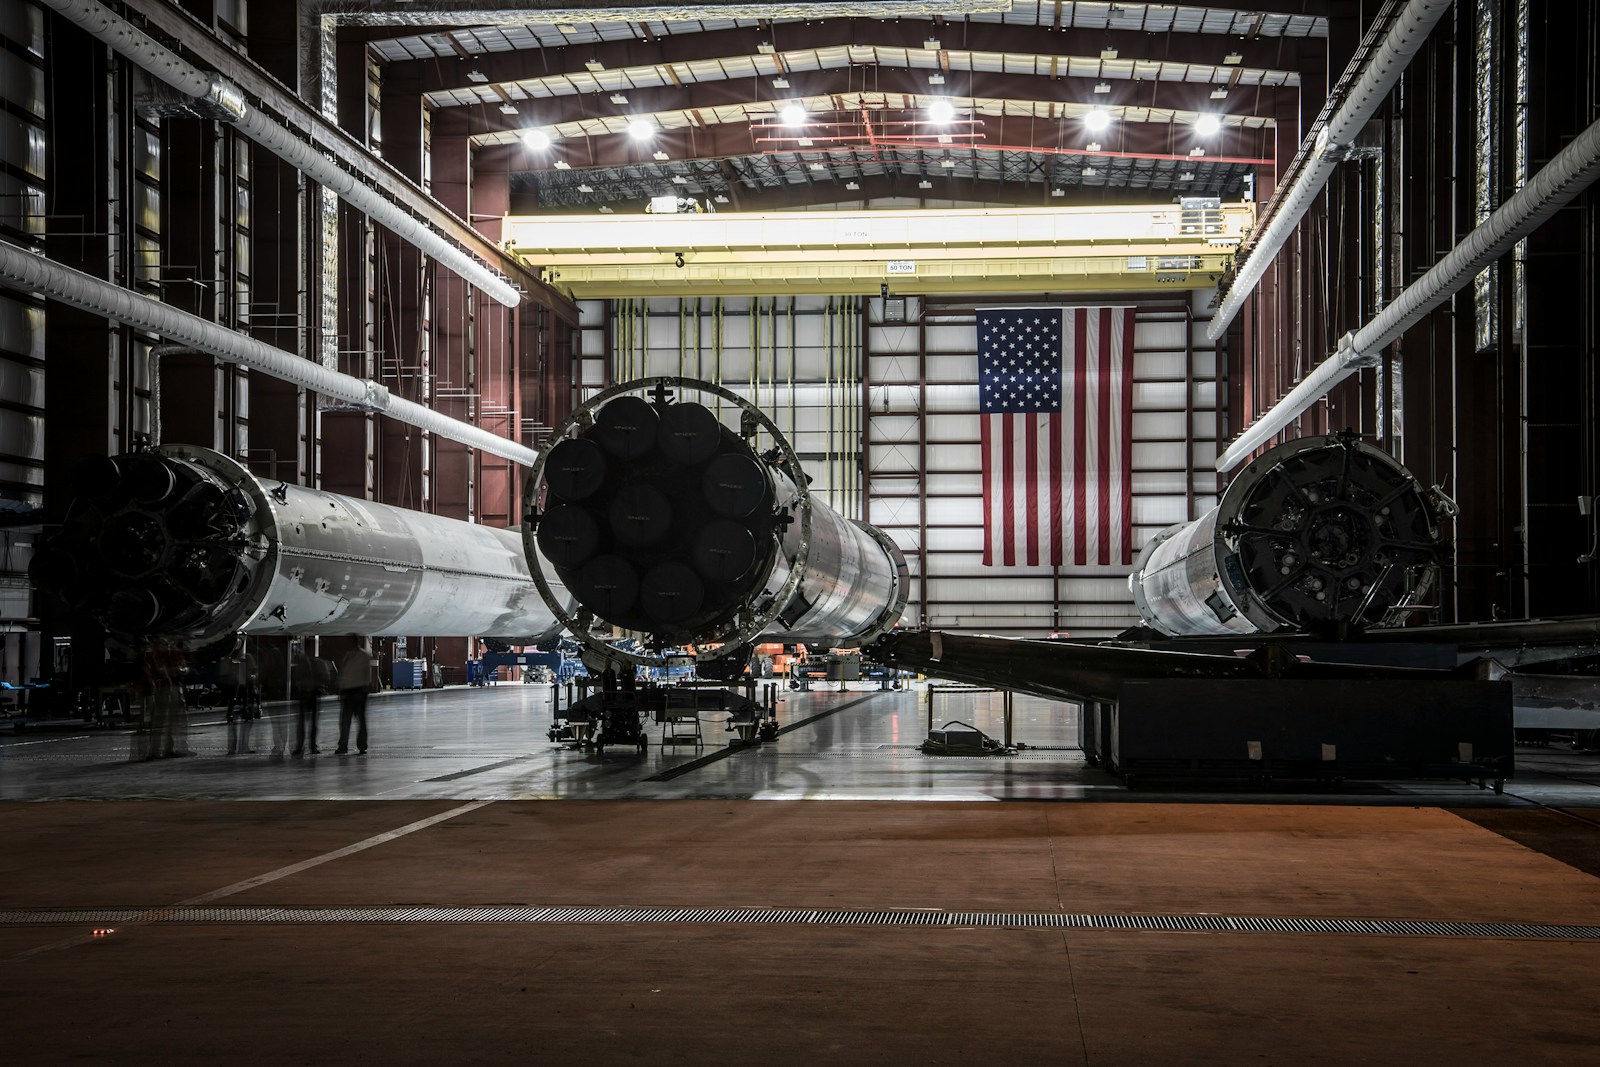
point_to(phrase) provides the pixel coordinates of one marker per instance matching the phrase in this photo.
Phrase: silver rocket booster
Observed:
(183, 541)
(662, 520)
(1325, 534)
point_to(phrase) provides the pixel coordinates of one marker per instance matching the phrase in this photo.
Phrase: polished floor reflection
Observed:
(856, 743)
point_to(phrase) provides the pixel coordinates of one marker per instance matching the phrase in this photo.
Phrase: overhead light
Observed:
(818, 166)
(1092, 146)
(719, 199)
(1219, 93)
(947, 164)
(803, 142)
(1186, 176)
(1102, 87)
(936, 79)
(941, 110)
(678, 179)
(1108, 53)
(1058, 192)
(477, 76)
(1206, 125)
(659, 155)
(585, 187)
(765, 49)
(507, 109)
(924, 184)
(780, 83)
(1232, 59)
(1089, 172)
(931, 44)
(1097, 120)
(604, 210)
(618, 98)
(641, 129)
(594, 66)
(566, 27)
(945, 138)
(1197, 151)
(852, 185)
(562, 164)
(537, 140)
(793, 115)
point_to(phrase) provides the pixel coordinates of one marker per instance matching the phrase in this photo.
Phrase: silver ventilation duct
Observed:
(1333, 144)
(216, 95)
(1573, 169)
(33, 273)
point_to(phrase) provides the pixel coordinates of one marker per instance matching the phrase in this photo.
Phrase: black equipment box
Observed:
(1325, 730)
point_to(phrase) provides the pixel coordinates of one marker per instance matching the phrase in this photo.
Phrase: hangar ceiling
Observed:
(1194, 97)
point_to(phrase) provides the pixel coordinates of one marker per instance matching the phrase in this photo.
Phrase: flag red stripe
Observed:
(1056, 496)
(1080, 410)
(1032, 481)
(1108, 447)
(1125, 380)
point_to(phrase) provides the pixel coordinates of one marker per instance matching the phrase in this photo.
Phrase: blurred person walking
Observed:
(355, 680)
(303, 686)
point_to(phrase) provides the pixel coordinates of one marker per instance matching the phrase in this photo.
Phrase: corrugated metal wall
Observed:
(834, 377)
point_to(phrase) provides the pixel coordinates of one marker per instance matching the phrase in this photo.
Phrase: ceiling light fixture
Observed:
(537, 140)
(604, 210)
(593, 66)
(1186, 176)
(1207, 125)
(1197, 151)
(765, 49)
(1108, 53)
(1102, 87)
(477, 76)
(924, 184)
(941, 110)
(1232, 59)
(803, 142)
(641, 129)
(852, 185)
(659, 156)
(1089, 172)
(1219, 93)
(1058, 192)
(780, 83)
(585, 187)
(678, 179)
(562, 164)
(618, 98)
(936, 79)
(1092, 146)
(931, 44)
(719, 199)
(1097, 120)
(507, 109)
(947, 164)
(793, 115)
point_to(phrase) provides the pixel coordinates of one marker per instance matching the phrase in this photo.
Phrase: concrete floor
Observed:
(400, 907)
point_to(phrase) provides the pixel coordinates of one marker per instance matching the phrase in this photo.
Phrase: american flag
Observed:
(1056, 401)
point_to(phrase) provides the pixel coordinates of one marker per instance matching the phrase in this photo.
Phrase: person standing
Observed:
(355, 679)
(303, 684)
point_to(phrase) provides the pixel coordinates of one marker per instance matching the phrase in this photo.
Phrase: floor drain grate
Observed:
(819, 917)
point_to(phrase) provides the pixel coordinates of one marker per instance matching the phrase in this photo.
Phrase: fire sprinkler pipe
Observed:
(1332, 145)
(217, 95)
(1572, 171)
(33, 273)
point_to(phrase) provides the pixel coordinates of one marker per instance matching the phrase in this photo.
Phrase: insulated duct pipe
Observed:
(1572, 171)
(33, 273)
(1332, 146)
(224, 99)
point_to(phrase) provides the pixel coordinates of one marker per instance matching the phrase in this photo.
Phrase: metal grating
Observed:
(783, 916)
